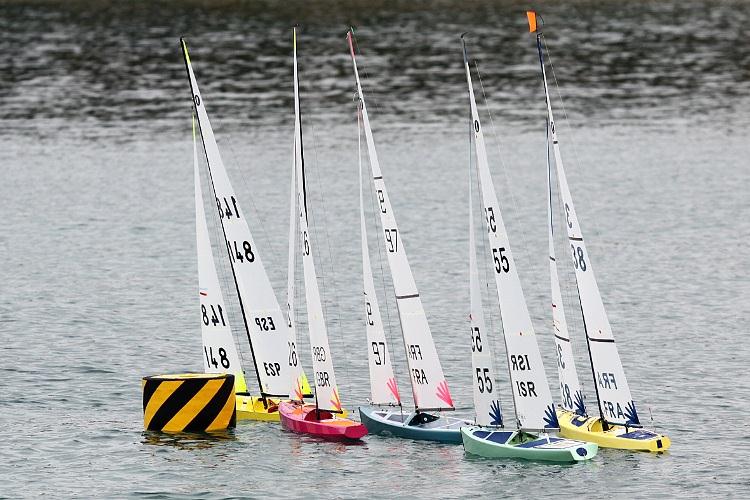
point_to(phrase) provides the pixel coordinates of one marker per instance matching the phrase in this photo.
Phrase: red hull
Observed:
(304, 419)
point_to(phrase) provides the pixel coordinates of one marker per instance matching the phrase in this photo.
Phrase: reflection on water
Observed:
(111, 64)
(188, 440)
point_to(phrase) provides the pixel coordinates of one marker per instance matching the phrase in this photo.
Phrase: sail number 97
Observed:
(378, 350)
(391, 237)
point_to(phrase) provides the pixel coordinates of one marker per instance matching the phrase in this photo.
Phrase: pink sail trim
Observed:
(394, 389)
(444, 394)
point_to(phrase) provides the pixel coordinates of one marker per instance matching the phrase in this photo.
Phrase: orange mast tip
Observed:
(531, 16)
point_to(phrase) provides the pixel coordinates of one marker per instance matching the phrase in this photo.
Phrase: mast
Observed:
(429, 387)
(533, 400)
(256, 296)
(220, 353)
(326, 390)
(616, 405)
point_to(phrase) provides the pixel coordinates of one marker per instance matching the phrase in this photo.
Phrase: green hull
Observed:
(489, 443)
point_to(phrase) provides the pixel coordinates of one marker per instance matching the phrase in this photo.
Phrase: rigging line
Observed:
(336, 297)
(371, 98)
(572, 140)
(516, 214)
(265, 240)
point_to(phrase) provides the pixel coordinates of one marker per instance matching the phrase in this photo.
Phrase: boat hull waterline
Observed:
(489, 443)
(305, 419)
(412, 425)
(585, 428)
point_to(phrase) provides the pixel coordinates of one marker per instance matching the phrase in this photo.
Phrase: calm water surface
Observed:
(98, 244)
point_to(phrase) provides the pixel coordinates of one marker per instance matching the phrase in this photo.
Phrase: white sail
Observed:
(531, 394)
(219, 351)
(383, 388)
(486, 403)
(571, 396)
(429, 387)
(264, 321)
(615, 401)
(299, 384)
(326, 390)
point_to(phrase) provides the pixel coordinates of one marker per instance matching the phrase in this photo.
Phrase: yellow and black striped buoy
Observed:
(189, 402)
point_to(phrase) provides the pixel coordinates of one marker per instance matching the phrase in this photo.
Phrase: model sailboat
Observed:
(319, 419)
(618, 424)
(429, 388)
(264, 323)
(535, 412)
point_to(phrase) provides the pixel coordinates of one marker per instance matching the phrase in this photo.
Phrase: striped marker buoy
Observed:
(189, 402)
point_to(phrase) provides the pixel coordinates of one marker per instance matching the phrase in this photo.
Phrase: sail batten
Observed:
(265, 325)
(429, 387)
(616, 403)
(531, 393)
(326, 390)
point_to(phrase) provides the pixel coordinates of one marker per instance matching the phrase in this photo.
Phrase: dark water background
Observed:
(98, 251)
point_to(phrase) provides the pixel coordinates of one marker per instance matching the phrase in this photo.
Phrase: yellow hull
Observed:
(251, 408)
(590, 429)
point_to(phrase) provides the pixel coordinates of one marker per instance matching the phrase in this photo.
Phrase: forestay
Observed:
(220, 353)
(571, 395)
(615, 401)
(326, 390)
(429, 387)
(531, 394)
(265, 324)
(383, 388)
(486, 404)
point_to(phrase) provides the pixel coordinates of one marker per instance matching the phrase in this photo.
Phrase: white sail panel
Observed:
(486, 402)
(429, 387)
(615, 401)
(219, 351)
(326, 390)
(300, 387)
(531, 394)
(383, 387)
(571, 396)
(264, 320)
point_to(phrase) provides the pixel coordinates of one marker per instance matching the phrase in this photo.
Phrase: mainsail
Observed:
(531, 394)
(265, 324)
(326, 390)
(383, 388)
(429, 387)
(220, 353)
(615, 401)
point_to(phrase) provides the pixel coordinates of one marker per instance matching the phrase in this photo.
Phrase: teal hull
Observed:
(409, 425)
(516, 444)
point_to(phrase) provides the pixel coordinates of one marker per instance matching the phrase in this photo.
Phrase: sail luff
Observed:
(429, 387)
(326, 391)
(615, 400)
(533, 401)
(383, 386)
(220, 353)
(256, 296)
